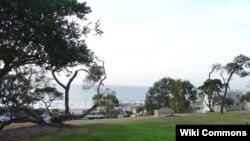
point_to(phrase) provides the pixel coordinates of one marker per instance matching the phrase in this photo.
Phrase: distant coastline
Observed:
(82, 99)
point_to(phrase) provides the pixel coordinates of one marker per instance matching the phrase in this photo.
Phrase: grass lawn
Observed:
(141, 129)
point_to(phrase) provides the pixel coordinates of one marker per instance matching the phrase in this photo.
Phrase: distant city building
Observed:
(131, 105)
(199, 106)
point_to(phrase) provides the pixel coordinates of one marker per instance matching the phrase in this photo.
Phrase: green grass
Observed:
(150, 129)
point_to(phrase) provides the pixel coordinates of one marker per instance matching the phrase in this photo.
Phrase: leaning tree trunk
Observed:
(32, 117)
(223, 101)
(226, 88)
(20, 119)
(65, 117)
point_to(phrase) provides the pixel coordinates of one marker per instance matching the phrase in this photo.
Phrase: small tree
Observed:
(107, 101)
(211, 88)
(95, 74)
(47, 95)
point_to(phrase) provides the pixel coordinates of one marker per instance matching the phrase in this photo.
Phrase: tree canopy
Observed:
(107, 101)
(245, 97)
(43, 32)
(168, 92)
(211, 88)
(47, 34)
(239, 66)
(47, 95)
(17, 93)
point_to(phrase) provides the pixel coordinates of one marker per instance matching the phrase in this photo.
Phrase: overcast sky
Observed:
(146, 40)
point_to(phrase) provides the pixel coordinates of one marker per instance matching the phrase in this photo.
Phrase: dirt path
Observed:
(28, 131)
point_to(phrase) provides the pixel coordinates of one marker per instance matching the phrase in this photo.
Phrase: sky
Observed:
(146, 40)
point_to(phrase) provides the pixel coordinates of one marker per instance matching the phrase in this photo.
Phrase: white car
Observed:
(4, 118)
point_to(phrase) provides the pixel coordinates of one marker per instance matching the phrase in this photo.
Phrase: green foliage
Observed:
(217, 100)
(140, 109)
(107, 101)
(178, 101)
(167, 92)
(159, 95)
(3, 110)
(211, 87)
(40, 32)
(245, 97)
(17, 88)
(96, 72)
(51, 93)
(39, 111)
(47, 95)
(55, 112)
(240, 66)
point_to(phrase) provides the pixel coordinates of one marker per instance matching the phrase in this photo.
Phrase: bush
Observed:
(3, 110)
(40, 111)
(55, 112)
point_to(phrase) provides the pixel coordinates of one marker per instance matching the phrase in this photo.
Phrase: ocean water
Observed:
(82, 99)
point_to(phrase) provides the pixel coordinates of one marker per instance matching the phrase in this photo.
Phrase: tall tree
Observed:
(183, 92)
(95, 73)
(159, 95)
(210, 87)
(45, 33)
(41, 32)
(239, 66)
(167, 92)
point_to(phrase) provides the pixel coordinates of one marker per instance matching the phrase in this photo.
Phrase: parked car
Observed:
(4, 118)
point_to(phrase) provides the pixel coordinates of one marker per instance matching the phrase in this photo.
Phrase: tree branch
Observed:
(65, 117)
(19, 119)
(105, 76)
(54, 76)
